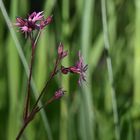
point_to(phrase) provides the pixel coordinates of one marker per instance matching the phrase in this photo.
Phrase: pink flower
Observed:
(35, 21)
(20, 22)
(34, 17)
(79, 68)
(24, 29)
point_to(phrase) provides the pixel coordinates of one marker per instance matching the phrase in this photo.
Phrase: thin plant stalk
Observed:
(47, 83)
(25, 65)
(110, 70)
(29, 117)
(28, 89)
(30, 74)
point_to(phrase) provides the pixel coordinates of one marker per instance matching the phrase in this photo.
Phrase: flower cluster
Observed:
(35, 21)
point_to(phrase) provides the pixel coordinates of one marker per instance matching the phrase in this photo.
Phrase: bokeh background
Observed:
(107, 107)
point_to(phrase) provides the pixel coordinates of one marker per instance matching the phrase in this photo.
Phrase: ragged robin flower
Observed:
(79, 68)
(35, 21)
(34, 17)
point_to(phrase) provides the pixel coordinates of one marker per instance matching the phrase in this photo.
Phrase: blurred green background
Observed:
(108, 106)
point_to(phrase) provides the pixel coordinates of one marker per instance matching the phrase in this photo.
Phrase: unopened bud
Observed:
(59, 93)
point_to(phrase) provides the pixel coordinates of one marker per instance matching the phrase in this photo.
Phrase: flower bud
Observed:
(59, 93)
(61, 52)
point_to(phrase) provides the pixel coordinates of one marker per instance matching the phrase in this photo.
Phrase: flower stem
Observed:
(30, 74)
(31, 116)
(29, 81)
(21, 131)
(47, 83)
(26, 122)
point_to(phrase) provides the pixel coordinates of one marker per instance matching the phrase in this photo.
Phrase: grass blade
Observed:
(86, 110)
(110, 71)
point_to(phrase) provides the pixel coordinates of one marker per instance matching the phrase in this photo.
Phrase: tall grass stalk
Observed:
(86, 108)
(112, 32)
(136, 101)
(110, 70)
(65, 79)
(13, 75)
(137, 56)
(96, 52)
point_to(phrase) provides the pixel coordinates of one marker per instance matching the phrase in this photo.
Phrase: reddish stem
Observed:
(26, 122)
(46, 85)
(29, 82)
(30, 118)
(21, 131)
